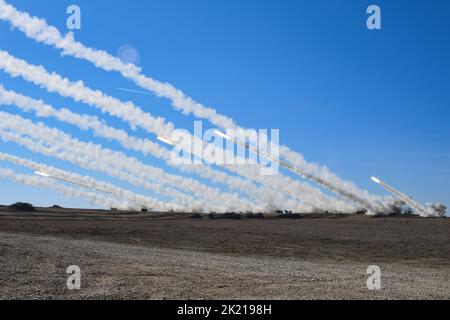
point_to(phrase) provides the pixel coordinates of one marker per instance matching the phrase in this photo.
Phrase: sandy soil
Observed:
(170, 256)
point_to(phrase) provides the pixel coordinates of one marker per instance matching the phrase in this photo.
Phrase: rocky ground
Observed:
(164, 256)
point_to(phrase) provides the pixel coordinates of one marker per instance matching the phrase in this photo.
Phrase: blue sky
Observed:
(358, 101)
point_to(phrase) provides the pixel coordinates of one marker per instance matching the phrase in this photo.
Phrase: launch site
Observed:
(224, 150)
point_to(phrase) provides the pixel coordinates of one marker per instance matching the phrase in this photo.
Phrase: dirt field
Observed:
(168, 256)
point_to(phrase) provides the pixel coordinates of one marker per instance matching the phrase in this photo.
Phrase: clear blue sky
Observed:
(361, 102)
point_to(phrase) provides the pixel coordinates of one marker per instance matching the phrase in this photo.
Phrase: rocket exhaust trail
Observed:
(145, 146)
(135, 117)
(41, 182)
(88, 183)
(40, 31)
(312, 199)
(55, 143)
(79, 184)
(418, 208)
(300, 172)
(125, 111)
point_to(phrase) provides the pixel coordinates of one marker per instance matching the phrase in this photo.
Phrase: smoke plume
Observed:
(41, 182)
(39, 30)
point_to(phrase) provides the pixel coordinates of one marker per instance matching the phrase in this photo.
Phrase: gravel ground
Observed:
(168, 257)
(33, 267)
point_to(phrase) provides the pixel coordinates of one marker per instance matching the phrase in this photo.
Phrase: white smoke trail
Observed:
(324, 177)
(39, 30)
(37, 145)
(136, 117)
(55, 143)
(41, 182)
(145, 146)
(137, 202)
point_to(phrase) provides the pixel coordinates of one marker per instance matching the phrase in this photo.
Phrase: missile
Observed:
(223, 135)
(376, 180)
(42, 174)
(167, 141)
